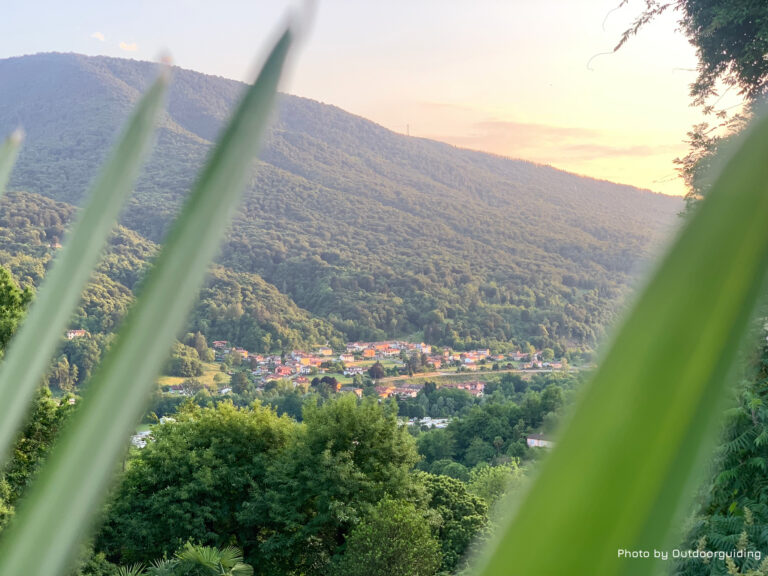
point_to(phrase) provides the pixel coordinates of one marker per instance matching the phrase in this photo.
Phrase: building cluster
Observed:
(358, 356)
(412, 390)
(430, 422)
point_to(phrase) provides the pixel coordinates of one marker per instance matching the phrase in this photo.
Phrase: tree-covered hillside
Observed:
(234, 306)
(377, 234)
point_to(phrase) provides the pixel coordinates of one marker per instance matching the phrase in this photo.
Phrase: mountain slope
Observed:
(233, 305)
(380, 234)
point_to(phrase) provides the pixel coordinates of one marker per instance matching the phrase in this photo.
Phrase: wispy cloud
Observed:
(550, 143)
(132, 47)
(524, 135)
(591, 151)
(98, 36)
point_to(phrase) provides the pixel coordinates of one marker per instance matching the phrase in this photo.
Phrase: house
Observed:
(369, 353)
(406, 391)
(325, 351)
(385, 391)
(72, 334)
(177, 389)
(140, 440)
(353, 347)
(346, 358)
(538, 441)
(283, 371)
(219, 344)
(474, 388)
(431, 422)
(351, 389)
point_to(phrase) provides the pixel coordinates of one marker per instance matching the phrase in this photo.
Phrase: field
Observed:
(210, 370)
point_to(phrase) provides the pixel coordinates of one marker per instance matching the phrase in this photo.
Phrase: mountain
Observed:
(347, 226)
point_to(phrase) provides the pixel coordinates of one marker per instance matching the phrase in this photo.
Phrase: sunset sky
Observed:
(518, 78)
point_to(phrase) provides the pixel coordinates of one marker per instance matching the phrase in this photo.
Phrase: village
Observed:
(392, 359)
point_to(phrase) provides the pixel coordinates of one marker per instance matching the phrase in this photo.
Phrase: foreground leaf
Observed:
(71, 487)
(8, 152)
(30, 351)
(625, 464)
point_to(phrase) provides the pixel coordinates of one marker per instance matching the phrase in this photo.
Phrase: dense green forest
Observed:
(373, 234)
(234, 306)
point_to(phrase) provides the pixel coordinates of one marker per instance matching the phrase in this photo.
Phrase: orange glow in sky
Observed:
(520, 79)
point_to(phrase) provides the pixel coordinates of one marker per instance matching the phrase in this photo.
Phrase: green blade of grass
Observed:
(8, 152)
(625, 464)
(76, 476)
(30, 351)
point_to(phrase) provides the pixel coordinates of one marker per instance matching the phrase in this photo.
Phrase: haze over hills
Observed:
(348, 230)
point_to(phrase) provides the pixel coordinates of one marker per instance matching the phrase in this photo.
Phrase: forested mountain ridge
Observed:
(378, 234)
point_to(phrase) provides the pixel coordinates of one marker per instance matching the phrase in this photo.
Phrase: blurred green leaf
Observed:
(58, 511)
(625, 464)
(8, 152)
(30, 351)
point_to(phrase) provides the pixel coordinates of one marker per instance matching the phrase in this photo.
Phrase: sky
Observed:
(530, 79)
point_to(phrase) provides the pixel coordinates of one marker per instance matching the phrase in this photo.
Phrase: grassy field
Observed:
(207, 379)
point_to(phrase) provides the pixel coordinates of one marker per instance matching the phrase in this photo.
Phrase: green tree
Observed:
(241, 384)
(198, 342)
(46, 418)
(13, 303)
(393, 540)
(463, 517)
(85, 354)
(731, 40)
(436, 444)
(192, 482)
(491, 483)
(208, 561)
(346, 458)
(377, 371)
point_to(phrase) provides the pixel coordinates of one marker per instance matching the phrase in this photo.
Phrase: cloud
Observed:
(98, 36)
(132, 47)
(551, 143)
(526, 135)
(589, 151)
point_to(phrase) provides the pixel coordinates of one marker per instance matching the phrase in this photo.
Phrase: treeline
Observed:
(486, 431)
(347, 490)
(337, 494)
